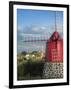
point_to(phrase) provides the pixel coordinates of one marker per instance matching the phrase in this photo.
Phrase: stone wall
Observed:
(53, 70)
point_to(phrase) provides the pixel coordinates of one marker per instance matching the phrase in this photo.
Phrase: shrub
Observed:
(33, 69)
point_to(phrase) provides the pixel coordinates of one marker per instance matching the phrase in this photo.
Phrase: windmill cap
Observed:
(55, 36)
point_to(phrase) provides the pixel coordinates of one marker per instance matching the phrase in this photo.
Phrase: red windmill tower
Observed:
(54, 46)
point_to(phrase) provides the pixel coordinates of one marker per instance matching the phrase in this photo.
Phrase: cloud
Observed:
(30, 46)
(32, 33)
(34, 30)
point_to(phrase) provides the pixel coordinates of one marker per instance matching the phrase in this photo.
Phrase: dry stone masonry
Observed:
(53, 70)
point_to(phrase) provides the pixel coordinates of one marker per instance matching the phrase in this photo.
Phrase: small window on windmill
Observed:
(54, 54)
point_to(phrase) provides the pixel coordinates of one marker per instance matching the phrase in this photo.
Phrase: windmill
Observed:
(54, 45)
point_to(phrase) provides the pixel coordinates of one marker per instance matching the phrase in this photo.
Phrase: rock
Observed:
(53, 70)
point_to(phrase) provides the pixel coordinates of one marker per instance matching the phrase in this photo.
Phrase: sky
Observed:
(36, 23)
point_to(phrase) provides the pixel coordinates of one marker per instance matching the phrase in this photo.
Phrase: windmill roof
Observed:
(55, 36)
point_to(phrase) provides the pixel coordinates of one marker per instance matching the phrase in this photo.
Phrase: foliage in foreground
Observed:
(34, 56)
(30, 70)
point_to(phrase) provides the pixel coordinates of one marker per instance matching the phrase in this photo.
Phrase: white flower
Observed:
(27, 56)
(33, 55)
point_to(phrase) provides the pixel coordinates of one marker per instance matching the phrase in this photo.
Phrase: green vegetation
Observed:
(30, 70)
(33, 56)
(30, 65)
